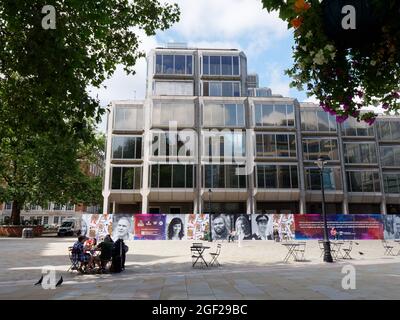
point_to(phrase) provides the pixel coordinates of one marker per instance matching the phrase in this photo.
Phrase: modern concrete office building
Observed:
(208, 139)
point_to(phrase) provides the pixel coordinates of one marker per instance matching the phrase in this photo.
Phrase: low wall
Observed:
(16, 231)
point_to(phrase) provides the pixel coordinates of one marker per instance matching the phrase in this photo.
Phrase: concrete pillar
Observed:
(383, 207)
(113, 207)
(302, 205)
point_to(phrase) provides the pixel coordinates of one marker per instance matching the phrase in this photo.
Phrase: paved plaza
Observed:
(162, 270)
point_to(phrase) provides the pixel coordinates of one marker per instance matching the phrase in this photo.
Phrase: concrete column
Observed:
(383, 207)
(107, 171)
(145, 203)
(345, 203)
(146, 154)
(299, 142)
(113, 207)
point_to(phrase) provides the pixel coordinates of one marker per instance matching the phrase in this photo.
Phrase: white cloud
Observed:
(277, 81)
(227, 19)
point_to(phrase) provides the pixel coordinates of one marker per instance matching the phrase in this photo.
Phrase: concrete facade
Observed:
(178, 150)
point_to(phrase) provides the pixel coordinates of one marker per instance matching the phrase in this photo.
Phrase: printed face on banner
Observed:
(150, 226)
(196, 226)
(391, 226)
(122, 227)
(176, 226)
(221, 226)
(242, 227)
(283, 226)
(262, 225)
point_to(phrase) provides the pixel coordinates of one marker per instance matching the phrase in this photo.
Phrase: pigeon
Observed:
(59, 282)
(356, 243)
(362, 253)
(40, 281)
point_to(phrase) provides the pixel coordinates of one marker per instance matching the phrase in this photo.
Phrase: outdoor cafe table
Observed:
(291, 247)
(336, 245)
(200, 251)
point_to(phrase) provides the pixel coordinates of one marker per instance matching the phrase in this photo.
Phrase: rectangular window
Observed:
(274, 177)
(221, 65)
(360, 153)
(351, 127)
(331, 176)
(173, 88)
(128, 118)
(165, 112)
(126, 178)
(391, 182)
(174, 64)
(45, 220)
(274, 115)
(206, 65)
(126, 147)
(172, 176)
(276, 145)
(55, 220)
(224, 144)
(314, 120)
(221, 89)
(223, 176)
(363, 181)
(316, 148)
(223, 115)
(226, 65)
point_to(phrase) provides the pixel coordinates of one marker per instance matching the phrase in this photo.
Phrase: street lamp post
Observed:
(209, 215)
(327, 246)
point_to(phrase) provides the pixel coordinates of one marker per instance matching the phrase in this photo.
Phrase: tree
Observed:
(46, 112)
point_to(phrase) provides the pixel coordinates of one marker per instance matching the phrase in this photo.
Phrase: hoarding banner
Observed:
(150, 226)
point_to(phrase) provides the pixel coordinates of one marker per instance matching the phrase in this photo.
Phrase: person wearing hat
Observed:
(262, 225)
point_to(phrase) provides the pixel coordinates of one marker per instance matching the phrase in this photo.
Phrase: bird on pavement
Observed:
(59, 282)
(40, 281)
(361, 253)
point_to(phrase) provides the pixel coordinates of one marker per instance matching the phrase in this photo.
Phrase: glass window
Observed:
(165, 176)
(313, 120)
(240, 114)
(236, 89)
(206, 65)
(391, 182)
(158, 63)
(363, 181)
(235, 65)
(272, 177)
(125, 178)
(395, 129)
(227, 90)
(128, 175)
(215, 65)
(180, 112)
(258, 115)
(226, 65)
(168, 64)
(284, 177)
(282, 145)
(215, 89)
(128, 118)
(270, 115)
(351, 127)
(189, 65)
(360, 153)
(116, 178)
(178, 176)
(180, 64)
(323, 121)
(230, 114)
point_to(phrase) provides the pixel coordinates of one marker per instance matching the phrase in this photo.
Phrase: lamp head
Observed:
(321, 163)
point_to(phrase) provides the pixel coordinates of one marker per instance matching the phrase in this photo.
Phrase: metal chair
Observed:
(75, 263)
(300, 250)
(215, 255)
(388, 248)
(347, 250)
(321, 247)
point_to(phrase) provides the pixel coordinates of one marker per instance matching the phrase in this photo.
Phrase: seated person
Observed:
(118, 256)
(106, 248)
(78, 253)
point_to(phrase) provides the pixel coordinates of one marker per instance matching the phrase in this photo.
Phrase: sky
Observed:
(226, 24)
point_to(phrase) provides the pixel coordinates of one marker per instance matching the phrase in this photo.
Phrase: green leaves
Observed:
(47, 116)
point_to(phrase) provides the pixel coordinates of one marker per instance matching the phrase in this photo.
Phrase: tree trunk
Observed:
(16, 213)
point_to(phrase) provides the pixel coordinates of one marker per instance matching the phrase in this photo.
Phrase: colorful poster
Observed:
(176, 227)
(221, 226)
(122, 226)
(197, 225)
(340, 226)
(150, 226)
(96, 225)
(391, 226)
(283, 226)
(242, 227)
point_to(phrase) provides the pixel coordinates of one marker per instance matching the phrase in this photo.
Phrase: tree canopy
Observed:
(46, 112)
